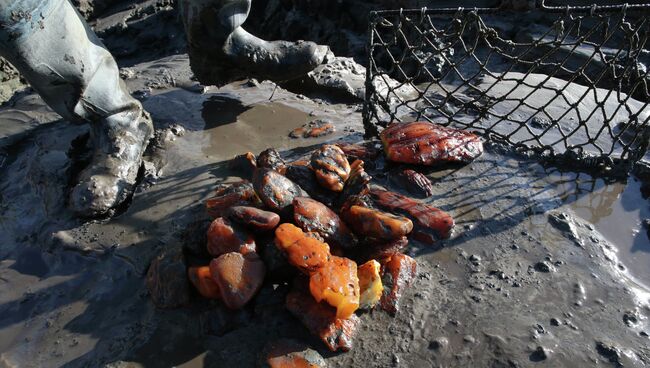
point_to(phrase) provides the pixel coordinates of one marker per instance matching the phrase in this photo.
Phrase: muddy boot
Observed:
(221, 51)
(65, 62)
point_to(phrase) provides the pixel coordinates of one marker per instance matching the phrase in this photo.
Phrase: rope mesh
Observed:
(567, 83)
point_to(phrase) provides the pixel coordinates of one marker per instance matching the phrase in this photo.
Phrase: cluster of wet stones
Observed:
(336, 236)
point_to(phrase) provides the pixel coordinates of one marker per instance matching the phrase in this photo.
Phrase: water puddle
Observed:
(616, 210)
(233, 128)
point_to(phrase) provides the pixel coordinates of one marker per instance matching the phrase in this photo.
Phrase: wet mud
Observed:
(544, 268)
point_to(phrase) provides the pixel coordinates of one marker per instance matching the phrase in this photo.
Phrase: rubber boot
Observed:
(65, 62)
(221, 51)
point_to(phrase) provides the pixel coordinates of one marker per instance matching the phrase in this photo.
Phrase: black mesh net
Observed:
(567, 83)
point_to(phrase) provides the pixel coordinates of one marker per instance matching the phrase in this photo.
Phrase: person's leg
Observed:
(65, 62)
(221, 51)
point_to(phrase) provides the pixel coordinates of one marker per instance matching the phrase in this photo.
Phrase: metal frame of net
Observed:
(566, 83)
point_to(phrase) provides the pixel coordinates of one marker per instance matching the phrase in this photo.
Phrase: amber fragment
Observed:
(370, 285)
(304, 252)
(399, 271)
(413, 182)
(313, 216)
(254, 218)
(337, 283)
(276, 191)
(357, 181)
(244, 164)
(363, 151)
(372, 223)
(320, 319)
(430, 222)
(313, 129)
(286, 353)
(425, 143)
(239, 277)
(225, 237)
(271, 159)
(202, 280)
(306, 179)
(241, 193)
(331, 167)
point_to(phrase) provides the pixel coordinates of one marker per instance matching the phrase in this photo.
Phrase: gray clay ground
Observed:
(545, 268)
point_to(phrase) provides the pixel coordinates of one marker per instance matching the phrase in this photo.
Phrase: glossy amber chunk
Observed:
(425, 143)
(320, 319)
(337, 284)
(276, 191)
(399, 272)
(430, 222)
(413, 182)
(314, 216)
(254, 218)
(370, 284)
(304, 252)
(225, 237)
(271, 159)
(202, 280)
(241, 193)
(376, 224)
(331, 167)
(358, 180)
(238, 276)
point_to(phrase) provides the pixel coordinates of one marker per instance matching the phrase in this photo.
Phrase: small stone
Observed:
(555, 322)
(439, 343)
(469, 339)
(475, 258)
(544, 266)
(540, 354)
(630, 318)
(609, 352)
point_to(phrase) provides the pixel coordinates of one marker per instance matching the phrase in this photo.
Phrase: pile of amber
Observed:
(343, 235)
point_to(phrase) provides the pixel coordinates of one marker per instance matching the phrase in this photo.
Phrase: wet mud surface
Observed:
(544, 268)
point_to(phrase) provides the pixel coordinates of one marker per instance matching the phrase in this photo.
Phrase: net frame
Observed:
(396, 37)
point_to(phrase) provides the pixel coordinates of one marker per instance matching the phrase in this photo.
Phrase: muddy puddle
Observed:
(615, 209)
(233, 129)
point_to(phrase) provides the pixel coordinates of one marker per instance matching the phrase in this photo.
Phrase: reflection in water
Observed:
(232, 128)
(592, 198)
(220, 110)
(616, 210)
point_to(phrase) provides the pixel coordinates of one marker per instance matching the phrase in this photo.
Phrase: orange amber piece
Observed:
(370, 284)
(331, 167)
(424, 143)
(225, 237)
(398, 274)
(337, 284)
(376, 224)
(238, 276)
(303, 251)
(431, 223)
(202, 280)
(320, 319)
